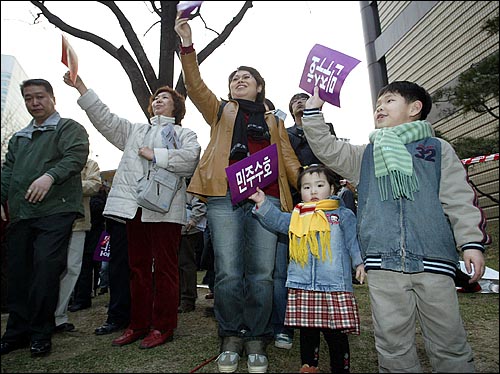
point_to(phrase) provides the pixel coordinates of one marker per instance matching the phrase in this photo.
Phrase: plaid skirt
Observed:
(331, 310)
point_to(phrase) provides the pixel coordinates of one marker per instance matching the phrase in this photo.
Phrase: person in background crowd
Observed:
(244, 270)
(91, 182)
(82, 295)
(191, 239)
(42, 184)
(415, 209)
(346, 193)
(118, 315)
(103, 284)
(207, 263)
(153, 237)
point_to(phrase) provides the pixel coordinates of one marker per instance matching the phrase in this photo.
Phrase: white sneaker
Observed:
(228, 362)
(257, 363)
(283, 341)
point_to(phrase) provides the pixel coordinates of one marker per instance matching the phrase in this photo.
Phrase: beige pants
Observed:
(397, 301)
(70, 275)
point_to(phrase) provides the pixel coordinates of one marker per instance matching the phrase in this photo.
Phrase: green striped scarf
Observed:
(393, 160)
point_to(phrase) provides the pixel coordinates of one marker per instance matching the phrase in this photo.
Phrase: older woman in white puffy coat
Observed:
(153, 238)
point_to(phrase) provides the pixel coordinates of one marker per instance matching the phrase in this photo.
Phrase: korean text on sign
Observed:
(257, 170)
(327, 69)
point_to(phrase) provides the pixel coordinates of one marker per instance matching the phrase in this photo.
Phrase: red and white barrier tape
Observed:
(474, 160)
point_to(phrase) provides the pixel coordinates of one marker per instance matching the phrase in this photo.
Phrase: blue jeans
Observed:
(244, 262)
(280, 290)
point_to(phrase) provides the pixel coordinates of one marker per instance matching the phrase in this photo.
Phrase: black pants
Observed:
(187, 267)
(119, 273)
(338, 346)
(37, 256)
(90, 268)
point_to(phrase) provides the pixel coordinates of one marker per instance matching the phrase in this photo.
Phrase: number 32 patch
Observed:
(426, 153)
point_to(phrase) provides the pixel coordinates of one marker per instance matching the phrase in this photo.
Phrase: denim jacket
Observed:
(417, 235)
(403, 235)
(317, 275)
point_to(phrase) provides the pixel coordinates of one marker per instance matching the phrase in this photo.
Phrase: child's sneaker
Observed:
(309, 369)
(257, 363)
(283, 341)
(228, 362)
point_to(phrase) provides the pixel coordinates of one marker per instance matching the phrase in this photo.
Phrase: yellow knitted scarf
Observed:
(309, 219)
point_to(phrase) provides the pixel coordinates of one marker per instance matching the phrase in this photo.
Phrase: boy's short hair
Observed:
(411, 92)
(331, 177)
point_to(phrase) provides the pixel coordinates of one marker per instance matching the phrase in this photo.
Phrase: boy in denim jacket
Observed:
(415, 209)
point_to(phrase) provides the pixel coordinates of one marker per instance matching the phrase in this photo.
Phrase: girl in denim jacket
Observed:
(323, 248)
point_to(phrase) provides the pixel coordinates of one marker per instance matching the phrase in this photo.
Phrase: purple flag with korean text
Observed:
(327, 69)
(257, 170)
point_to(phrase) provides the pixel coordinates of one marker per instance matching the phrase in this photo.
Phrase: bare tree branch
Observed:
(135, 44)
(214, 44)
(141, 73)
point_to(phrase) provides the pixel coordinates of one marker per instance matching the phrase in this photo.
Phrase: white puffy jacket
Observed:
(129, 137)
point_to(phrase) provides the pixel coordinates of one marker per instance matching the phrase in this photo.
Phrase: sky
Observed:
(274, 37)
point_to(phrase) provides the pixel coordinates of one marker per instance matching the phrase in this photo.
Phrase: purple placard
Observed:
(327, 69)
(187, 7)
(102, 249)
(257, 170)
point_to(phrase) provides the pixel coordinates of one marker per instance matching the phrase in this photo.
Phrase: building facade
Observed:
(14, 113)
(432, 43)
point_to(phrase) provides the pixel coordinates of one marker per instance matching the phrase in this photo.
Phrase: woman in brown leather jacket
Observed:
(244, 249)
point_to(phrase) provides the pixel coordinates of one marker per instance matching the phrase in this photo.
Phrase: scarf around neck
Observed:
(249, 123)
(309, 219)
(392, 159)
(169, 138)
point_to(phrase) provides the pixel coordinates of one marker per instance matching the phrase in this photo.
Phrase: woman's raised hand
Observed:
(183, 29)
(79, 85)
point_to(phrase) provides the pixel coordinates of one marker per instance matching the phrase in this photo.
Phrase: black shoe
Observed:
(7, 347)
(77, 307)
(103, 291)
(40, 348)
(64, 327)
(109, 328)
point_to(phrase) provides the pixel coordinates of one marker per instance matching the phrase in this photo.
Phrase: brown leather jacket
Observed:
(209, 178)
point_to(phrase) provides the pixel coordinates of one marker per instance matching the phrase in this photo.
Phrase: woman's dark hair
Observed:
(179, 103)
(270, 104)
(260, 82)
(331, 177)
(411, 92)
(37, 82)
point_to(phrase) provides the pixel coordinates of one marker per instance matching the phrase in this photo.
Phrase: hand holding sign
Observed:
(257, 170)
(326, 69)
(187, 7)
(315, 101)
(69, 59)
